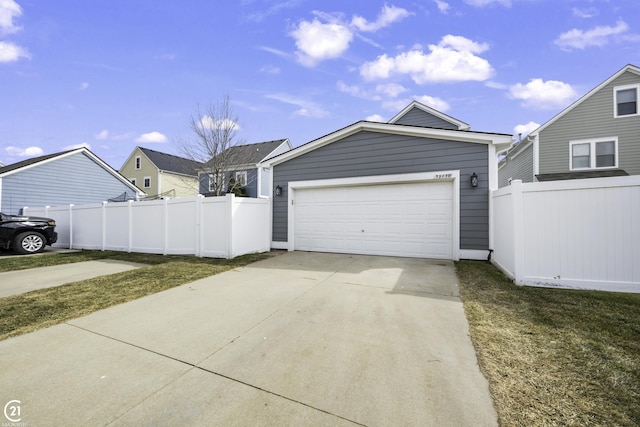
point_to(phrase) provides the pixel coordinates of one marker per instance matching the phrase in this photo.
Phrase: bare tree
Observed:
(215, 134)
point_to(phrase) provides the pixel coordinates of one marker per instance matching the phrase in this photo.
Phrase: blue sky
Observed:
(113, 74)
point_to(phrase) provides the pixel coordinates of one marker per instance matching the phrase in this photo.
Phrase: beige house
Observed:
(161, 174)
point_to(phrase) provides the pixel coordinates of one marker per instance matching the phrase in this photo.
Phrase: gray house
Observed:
(417, 186)
(243, 168)
(70, 177)
(596, 136)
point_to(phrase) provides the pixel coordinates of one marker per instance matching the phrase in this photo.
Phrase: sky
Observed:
(111, 75)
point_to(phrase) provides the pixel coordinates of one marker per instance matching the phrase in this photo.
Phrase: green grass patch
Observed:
(46, 307)
(553, 356)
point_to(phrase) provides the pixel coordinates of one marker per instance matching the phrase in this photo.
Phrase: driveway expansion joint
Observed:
(209, 371)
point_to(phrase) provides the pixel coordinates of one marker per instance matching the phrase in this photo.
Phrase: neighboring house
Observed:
(596, 136)
(416, 186)
(244, 169)
(161, 174)
(70, 177)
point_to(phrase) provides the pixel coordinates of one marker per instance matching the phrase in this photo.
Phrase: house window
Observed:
(241, 178)
(138, 162)
(147, 182)
(133, 181)
(594, 154)
(626, 100)
(213, 182)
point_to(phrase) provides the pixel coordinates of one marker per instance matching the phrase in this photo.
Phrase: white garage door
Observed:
(410, 219)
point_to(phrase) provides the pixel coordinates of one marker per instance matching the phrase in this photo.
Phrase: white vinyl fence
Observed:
(217, 227)
(576, 234)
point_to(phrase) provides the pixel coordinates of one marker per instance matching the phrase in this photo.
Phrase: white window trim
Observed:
(144, 181)
(592, 153)
(615, 100)
(243, 180)
(138, 163)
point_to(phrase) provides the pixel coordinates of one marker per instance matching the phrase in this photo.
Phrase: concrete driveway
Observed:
(297, 339)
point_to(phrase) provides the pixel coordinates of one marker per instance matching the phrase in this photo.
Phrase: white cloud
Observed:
(84, 86)
(270, 69)
(74, 146)
(391, 89)
(453, 59)
(274, 51)
(496, 85)
(354, 90)
(305, 108)
(317, 41)
(24, 152)
(387, 16)
(207, 122)
(151, 138)
(10, 52)
(375, 118)
(482, 3)
(9, 10)
(443, 6)
(585, 13)
(596, 36)
(540, 94)
(102, 135)
(525, 129)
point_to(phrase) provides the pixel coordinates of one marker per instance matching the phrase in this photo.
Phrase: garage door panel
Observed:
(412, 219)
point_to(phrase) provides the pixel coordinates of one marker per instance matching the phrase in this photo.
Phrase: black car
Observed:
(26, 234)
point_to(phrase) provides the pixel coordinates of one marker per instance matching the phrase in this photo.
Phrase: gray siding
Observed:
(418, 117)
(75, 179)
(252, 181)
(371, 153)
(518, 165)
(593, 118)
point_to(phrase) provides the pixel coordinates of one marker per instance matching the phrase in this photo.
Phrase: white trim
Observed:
(459, 123)
(592, 153)
(86, 152)
(279, 245)
(421, 132)
(241, 173)
(453, 176)
(617, 89)
(474, 254)
(630, 68)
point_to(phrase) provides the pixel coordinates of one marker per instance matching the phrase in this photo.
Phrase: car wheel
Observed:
(29, 242)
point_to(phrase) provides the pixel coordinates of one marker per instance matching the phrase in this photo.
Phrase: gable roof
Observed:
(415, 104)
(628, 67)
(170, 163)
(498, 139)
(254, 153)
(35, 161)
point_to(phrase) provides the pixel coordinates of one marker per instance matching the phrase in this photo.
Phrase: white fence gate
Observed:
(217, 227)
(576, 234)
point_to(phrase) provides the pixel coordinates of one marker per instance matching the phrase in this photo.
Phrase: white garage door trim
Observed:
(452, 176)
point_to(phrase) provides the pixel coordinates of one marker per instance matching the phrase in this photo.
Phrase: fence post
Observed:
(104, 225)
(71, 226)
(165, 221)
(130, 224)
(230, 200)
(518, 230)
(198, 225)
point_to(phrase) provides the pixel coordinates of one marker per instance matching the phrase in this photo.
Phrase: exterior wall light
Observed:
(474, 180)
(278, 191)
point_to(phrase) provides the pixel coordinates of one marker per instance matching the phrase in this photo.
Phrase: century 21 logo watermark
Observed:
(12, 411)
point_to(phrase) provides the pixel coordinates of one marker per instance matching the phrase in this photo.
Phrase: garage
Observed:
(409, 219)
(416, 186)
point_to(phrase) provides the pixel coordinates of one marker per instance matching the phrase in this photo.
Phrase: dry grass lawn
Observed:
(39, 309)
(554, 357)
